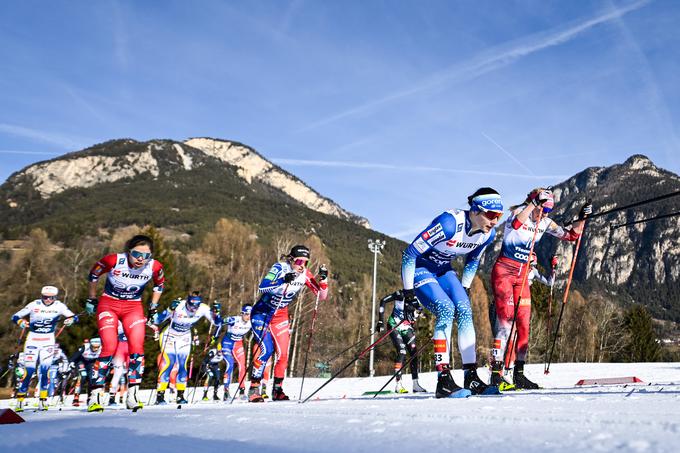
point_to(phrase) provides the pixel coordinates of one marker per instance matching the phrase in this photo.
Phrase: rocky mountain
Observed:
(182, 187)
(120, 160)
(632, 264)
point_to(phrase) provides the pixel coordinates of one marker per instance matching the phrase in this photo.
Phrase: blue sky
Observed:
(397, 110)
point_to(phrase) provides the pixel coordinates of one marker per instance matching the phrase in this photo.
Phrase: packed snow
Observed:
(563, 416)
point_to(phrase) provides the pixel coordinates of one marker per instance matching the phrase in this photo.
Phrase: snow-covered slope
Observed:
(643, 417)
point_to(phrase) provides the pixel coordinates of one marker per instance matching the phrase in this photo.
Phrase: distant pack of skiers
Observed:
(113, 362)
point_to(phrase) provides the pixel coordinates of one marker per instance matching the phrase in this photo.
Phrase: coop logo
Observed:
(451, 242)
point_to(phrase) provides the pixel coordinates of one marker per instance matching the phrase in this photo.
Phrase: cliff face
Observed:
(638, 263)
(120, 160)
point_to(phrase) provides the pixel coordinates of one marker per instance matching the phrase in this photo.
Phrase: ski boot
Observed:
(263, 392)
(417, 388)
(226, 396)
(205, 396)
(132, 401)
(215, 397)
(446, 386)
(254, 395)
(95, 402)
(180, 397)
(277, 394)
(76, 401)
(112, 400)
(160, 398)
(42, 404)
(20, 404)
(400, 387)
(498, 380)
(520, 380)
(242, 393)
(475, 384)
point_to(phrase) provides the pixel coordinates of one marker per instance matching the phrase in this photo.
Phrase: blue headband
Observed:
(488, 202)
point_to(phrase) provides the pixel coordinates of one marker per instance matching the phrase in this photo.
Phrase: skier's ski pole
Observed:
(196, 382)
(258, 349)
(309, 345)
(199, 379)
(525, 274)
(649, 219)
(61, 329)
(353, 345)
(404, 365)
(153, 392)
(564, 300)
(550, 303)
(21, 335)
(359, 356)
(633, 205)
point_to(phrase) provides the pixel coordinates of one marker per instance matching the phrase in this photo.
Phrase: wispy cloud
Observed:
(509, 154)
(43, 136)
(42, 153)
(410, 168)
(488, 61)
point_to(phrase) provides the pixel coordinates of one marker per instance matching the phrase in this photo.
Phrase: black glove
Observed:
(380, 326)
(153, 312)
(416, 305)
(409, 295)
(323, 272)
(586, 210)
(289, 277)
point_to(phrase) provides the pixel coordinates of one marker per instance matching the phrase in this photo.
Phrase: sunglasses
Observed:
(300, 261)
(49, 297)
(137, 255)
(492, 215)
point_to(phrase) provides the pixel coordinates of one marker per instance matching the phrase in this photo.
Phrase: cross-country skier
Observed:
(270, 315)
(59, 367)
(232, 347)
(508, 274)
(128, 273)
(176, 340)
(213, 376)
(43, 315)
(84, 360)
(402, 320)
(427, 273)
(121, 361)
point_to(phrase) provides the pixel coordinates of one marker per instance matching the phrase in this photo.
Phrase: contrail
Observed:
(486, 62)
(507, 153)
(11, 151)
(378, 166)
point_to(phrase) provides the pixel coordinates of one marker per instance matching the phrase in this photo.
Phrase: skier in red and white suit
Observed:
(128, 274)
(509, 275)
(269, 318)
